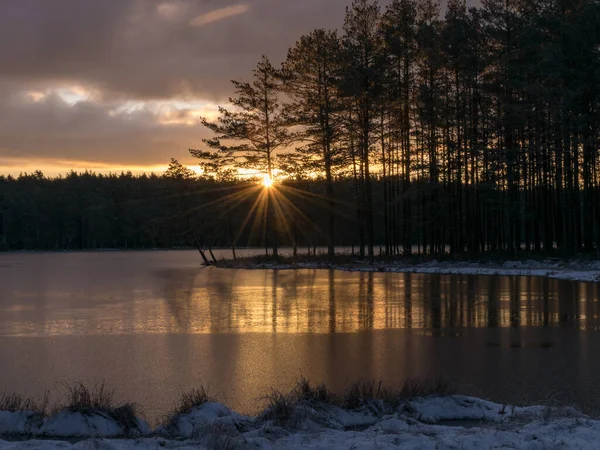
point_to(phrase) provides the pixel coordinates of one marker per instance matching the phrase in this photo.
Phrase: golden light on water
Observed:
(189, 301)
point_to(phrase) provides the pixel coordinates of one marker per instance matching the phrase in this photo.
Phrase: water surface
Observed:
(151, 324)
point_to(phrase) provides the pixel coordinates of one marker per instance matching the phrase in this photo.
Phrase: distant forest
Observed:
(177, 209)
(469, 133)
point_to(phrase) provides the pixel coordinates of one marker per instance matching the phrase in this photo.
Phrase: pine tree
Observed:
(362, 59)
(310, 75)
(257, 128)
(178, 171)
(399, 28)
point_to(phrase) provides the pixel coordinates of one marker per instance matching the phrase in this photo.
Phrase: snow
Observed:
(454, 422)
(21, 422)
(65, 424)
(587, 271)
(208, 415)
(460, 407)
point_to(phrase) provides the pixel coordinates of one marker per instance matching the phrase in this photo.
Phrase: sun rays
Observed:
(258, 211)
(269, 211)
(272, 212)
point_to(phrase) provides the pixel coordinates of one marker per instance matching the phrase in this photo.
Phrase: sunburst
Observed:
(267, 181)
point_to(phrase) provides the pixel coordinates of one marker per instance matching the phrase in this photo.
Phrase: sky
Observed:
(112, 85)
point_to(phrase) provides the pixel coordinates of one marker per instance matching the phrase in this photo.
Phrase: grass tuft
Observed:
(188, 400)
(195, 397)
(305, 392)
(363, 392)
(285, 409)
(280, 409)
(18, 403)
(425, 388)
(87, 401)
(99, 399)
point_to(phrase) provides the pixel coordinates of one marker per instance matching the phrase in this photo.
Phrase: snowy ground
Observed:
(564, 270)
(454, 422)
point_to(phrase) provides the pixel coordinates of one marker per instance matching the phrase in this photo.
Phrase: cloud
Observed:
(49, 127)
(172, 10)
(123, 81)
(147, 48)
(219, 14)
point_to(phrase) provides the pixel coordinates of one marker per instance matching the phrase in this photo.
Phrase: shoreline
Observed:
(582, 270)
(575, 270)
(418, 415)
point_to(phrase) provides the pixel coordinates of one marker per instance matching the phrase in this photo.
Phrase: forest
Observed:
(173, 210)
(412, 130)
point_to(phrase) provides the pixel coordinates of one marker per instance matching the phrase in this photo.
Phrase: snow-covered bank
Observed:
(69, 424)
(564, 270)
(453, 422)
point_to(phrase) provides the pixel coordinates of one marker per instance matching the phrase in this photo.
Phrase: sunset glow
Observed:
(267, 181)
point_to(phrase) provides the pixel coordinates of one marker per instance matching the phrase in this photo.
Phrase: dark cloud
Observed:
(148, 48)
(132, 51)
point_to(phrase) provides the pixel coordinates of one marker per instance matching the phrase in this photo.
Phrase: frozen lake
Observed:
(151, 324)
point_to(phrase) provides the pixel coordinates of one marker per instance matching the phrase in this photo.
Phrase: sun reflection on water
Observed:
(316, 301)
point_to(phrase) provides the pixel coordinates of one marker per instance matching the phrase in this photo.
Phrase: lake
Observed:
(152, 324)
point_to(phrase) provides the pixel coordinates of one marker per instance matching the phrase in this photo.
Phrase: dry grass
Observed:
(80, 398)
(195, 397)
(280, 409)
(425, 388)
(364, 392)
(188, 400)
(305, 392)
(99, 399)
(18, 403)
(285, 409)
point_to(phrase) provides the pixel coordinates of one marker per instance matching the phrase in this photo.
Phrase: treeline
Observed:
(175, 209)
(473, 132)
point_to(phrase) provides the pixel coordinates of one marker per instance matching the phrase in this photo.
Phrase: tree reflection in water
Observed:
(326, 301)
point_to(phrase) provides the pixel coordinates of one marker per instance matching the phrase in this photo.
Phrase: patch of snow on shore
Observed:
(420, 423)
(66, 424)
(462, 408)
(210, 415)
(20, 422)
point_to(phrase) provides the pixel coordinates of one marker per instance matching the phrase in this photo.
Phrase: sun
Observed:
(267, 181)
